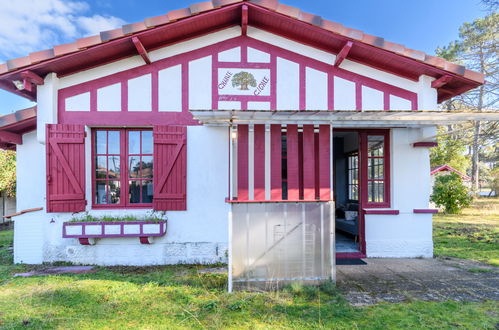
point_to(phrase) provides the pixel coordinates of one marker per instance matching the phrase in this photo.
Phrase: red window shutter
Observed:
(170, 168)
(65, 168)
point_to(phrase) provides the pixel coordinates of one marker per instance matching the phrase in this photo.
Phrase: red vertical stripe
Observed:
(358, 96)
(293, 166)
(308, 162)
(275, 162)
(259, 162)
(324, 162)
(242, 162)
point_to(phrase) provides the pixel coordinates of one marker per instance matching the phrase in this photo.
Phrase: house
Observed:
(447, 169)
(244, 131)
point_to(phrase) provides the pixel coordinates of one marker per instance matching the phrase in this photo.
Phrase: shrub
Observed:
(450, 193)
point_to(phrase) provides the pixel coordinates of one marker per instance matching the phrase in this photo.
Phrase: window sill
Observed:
(381, 211)
(120, 207)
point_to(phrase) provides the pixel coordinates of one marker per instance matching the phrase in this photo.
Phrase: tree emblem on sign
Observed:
(243, 79)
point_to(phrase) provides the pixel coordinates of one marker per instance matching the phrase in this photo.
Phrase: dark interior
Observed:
(346, 190)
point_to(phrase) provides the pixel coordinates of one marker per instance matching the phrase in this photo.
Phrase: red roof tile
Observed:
(156, 20)
(272, 5)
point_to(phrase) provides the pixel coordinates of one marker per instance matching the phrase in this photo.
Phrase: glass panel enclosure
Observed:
(276, 243)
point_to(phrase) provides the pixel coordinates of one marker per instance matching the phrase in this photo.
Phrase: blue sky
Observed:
(40, 24)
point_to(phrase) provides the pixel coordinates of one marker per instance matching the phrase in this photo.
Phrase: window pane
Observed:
(114, 167)
(375, 145)
(147, 191)
(134, 192)
(114, 192)
(100, 142)
(134, 166)
(146, 167)
(113, 140)
(101, 167)
(147, 142)
(100, 192)
(134, 142)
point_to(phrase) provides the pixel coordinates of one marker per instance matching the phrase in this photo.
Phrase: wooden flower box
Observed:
(87, 232)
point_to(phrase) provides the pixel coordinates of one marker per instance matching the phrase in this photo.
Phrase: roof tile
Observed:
(156, 20)
(435, 61)
(456, 68)
(288, 10)
(269, 4)
(273, 5)
(65, 49)
(221, 3)
(415, 54)
(134, 27)
(393, 47)
(201, 7)
(175, 15)
(473, 75)
(41, 55)
(111, 34)
(18, 62)
(354, 34)
(333, 27)
(86, 42)
(310, 18)
(373, 40)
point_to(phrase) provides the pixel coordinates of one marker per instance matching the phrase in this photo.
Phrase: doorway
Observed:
(346, 187)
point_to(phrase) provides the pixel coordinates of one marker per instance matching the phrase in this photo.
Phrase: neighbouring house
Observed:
(246, 132)
(445, 170)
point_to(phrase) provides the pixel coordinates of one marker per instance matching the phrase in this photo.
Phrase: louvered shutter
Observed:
(170, 168)
(65, 168)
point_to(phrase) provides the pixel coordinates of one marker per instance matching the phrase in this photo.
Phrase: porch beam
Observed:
(141, 50)
(32, 77)
(342, 55)
(441, 81)
(10, 137)
(244, 20)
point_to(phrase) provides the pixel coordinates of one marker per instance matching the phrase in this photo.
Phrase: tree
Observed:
(451, 149)
(8, 173)
(243, 79)
(491, 5)
(450, 193)
(478, 50)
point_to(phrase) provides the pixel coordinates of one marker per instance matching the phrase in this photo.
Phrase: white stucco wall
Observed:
(198, 235)
(407, 234)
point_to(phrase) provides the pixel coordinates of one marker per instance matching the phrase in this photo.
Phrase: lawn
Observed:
(185, 297)
(474, 234)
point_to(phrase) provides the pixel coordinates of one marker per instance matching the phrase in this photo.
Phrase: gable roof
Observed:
(446, 168)
(14, 125)
(270, 15)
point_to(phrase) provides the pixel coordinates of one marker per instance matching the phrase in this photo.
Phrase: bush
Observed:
(450, 193)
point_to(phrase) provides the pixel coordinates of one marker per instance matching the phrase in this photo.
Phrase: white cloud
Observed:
(33, 25)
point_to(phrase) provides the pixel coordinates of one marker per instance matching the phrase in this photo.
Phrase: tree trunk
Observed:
(474, 158)
(475, 147)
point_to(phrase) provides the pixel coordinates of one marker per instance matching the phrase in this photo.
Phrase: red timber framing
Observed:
(297, 160)
(65, 168)
(170, 168)
(184, 117)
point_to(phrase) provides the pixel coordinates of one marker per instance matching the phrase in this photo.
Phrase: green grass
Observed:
(473, 235)
(183, 297)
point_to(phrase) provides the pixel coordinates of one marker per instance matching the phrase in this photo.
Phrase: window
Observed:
(376, 176)
(353, 177)
(123, 165)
